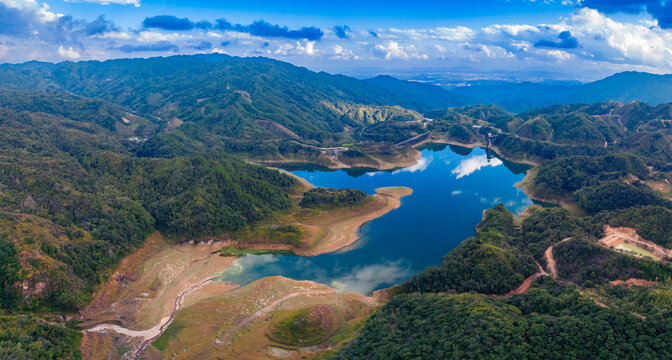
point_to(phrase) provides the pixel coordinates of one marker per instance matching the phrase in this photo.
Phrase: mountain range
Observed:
(621, 87)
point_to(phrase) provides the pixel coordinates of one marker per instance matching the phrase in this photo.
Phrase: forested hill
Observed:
(74, 199)
(230, 95)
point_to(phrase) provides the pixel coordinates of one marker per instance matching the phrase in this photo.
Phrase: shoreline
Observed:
(524, 184)
(345, 232)
(331, 230)
(478, 144)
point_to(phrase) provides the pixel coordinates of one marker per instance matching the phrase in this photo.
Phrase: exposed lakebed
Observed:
(451, 188)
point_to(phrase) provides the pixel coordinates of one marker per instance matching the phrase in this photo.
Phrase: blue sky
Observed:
(575, 39)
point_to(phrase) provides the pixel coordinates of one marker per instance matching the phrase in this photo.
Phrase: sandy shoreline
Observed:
(343, 232)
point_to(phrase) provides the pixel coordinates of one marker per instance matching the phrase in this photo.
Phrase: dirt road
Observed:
(551, 266)
(551, 270)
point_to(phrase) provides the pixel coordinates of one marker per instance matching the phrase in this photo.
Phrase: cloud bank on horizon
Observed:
(590, 36)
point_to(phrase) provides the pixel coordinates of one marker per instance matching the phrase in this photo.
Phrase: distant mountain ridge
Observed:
(622, 87)
(423, 96)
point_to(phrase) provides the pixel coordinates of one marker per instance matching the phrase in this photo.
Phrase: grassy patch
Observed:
(276, 234)
(233, 251)
(171, 332)
(307, 327)
(637, 250)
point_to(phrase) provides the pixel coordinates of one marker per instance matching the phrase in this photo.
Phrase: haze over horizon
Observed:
(567, 40)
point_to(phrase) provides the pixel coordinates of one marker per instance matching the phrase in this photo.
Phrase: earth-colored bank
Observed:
(528, 181)
(324, 231)
(379, 164)
(527, 185)
(270, 318)
(142, 293)
(442, 139)
(336, 229)
(378, 156)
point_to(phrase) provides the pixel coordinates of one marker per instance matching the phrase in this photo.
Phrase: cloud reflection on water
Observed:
(421, 166)
(360, 279)
(365, 279)
(474, 163)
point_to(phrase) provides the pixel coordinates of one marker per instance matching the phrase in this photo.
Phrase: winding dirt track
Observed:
(551, 266)
(551, 270)
(550, 262)
(527, 283)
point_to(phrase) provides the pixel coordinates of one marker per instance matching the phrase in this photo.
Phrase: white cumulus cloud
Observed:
(68, 53)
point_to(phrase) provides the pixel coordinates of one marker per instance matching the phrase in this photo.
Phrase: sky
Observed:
(563, 39)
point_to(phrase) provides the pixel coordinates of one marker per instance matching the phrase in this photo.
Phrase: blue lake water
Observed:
(451, 188)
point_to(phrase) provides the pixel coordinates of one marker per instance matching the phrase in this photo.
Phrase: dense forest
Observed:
(551, 321)
(322, 198)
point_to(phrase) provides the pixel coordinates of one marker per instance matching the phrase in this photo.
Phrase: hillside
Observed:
(546, 133)
(228, 95)
(626, 87)
(580, 300)
(74, 200)
(516, 97)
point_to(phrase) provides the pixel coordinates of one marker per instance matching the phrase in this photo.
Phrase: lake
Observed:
(451, 188)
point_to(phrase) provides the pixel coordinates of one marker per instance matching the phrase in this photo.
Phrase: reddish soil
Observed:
(634, 282)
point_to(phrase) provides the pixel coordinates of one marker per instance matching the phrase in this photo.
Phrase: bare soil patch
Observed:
(616, 238)
(634, 282)
(333, 230)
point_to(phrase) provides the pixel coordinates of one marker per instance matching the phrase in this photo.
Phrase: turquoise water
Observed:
(451, 188)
